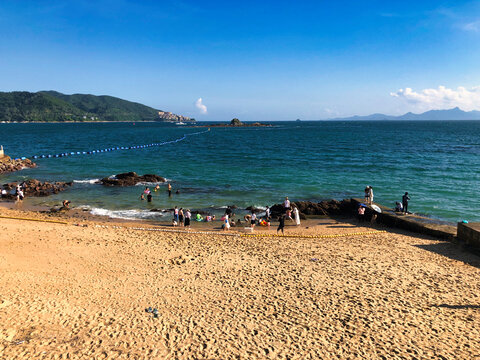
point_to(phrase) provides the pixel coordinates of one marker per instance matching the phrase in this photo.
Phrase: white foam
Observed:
(126, 214)
(86, 181)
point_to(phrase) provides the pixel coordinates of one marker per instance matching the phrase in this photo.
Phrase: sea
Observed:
(437, 162)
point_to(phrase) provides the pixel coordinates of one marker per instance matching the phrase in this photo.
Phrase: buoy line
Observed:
(131, 147)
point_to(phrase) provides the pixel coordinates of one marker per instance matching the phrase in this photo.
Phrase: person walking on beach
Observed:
(296, 215)
(175, 214)
(253, 220)
(188, 216)
(226, 224)
(180, 217)
(405, 199)
(281, 225)
(267, 213)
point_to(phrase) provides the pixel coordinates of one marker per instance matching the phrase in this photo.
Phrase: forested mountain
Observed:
(48, 106)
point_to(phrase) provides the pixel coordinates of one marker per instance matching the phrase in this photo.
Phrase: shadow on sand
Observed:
(453, 251)
(457, 307)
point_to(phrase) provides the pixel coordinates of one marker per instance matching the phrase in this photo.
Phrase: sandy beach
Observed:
(80, 292)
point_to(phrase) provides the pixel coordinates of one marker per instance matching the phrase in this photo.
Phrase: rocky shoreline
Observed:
(34, 188)
(8, 165)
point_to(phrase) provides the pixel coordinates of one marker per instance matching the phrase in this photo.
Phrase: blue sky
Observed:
(269, 60)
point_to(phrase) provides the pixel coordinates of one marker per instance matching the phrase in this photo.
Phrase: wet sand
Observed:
(80, 292)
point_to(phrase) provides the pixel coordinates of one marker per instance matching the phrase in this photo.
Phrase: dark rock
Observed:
(254, 209)
(9, 165)
(236, 122)
(35, 188)
(131, 179)
(327, 208)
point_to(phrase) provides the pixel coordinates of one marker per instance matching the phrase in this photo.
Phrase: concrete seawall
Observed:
(470, 234)
(411, 222)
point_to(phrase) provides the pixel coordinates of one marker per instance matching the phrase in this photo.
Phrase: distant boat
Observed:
(180, 123)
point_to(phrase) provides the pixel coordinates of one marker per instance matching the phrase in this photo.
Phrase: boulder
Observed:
(10, 165)
(35, 188)
(131, 179)
(254, 209)
(326, 207)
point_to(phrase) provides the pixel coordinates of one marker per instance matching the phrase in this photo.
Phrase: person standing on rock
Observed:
(286, 206)
(369, 195)
(405, 199)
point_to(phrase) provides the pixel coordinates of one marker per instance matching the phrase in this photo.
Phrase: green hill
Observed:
(22, 106)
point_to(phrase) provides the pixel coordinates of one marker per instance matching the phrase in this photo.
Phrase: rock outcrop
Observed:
(131, 179)
(330, 207)
(9, 165)
(35, 188)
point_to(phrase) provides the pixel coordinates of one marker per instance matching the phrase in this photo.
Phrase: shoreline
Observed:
(387, 220)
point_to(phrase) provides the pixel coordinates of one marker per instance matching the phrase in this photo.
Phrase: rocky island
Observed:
(131, 179)
(237, 123)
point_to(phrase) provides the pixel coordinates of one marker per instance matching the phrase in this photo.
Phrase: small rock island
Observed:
(237, 123)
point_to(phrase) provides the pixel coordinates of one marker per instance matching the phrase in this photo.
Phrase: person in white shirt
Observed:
(253, 220)
(296, 215)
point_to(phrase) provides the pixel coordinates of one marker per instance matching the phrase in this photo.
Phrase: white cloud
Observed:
(199, 105)
(441, 98)
(472, 26)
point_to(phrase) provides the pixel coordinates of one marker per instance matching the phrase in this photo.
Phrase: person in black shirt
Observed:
(405, 199)
(281, 224)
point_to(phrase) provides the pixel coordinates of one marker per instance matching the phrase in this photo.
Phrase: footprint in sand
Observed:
(182, 259)
(5, 303)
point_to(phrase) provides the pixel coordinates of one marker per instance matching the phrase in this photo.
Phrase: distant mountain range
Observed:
(46, 106)
(451, 114)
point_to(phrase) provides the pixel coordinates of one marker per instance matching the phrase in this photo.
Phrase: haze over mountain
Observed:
(450, 114)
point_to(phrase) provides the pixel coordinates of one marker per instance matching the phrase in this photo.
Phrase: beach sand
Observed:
(80, 292)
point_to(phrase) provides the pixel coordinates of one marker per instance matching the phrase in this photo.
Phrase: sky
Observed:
(254, 60)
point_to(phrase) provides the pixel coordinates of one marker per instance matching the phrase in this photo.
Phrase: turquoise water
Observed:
(436, 162)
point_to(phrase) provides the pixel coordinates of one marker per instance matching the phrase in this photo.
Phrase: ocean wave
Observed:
(86, 181)
(127, 214)
(147, 183)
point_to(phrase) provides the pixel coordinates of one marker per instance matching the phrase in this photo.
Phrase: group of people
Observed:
(147, 193)
(402, 206)
(181, 217)
(254, 220)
